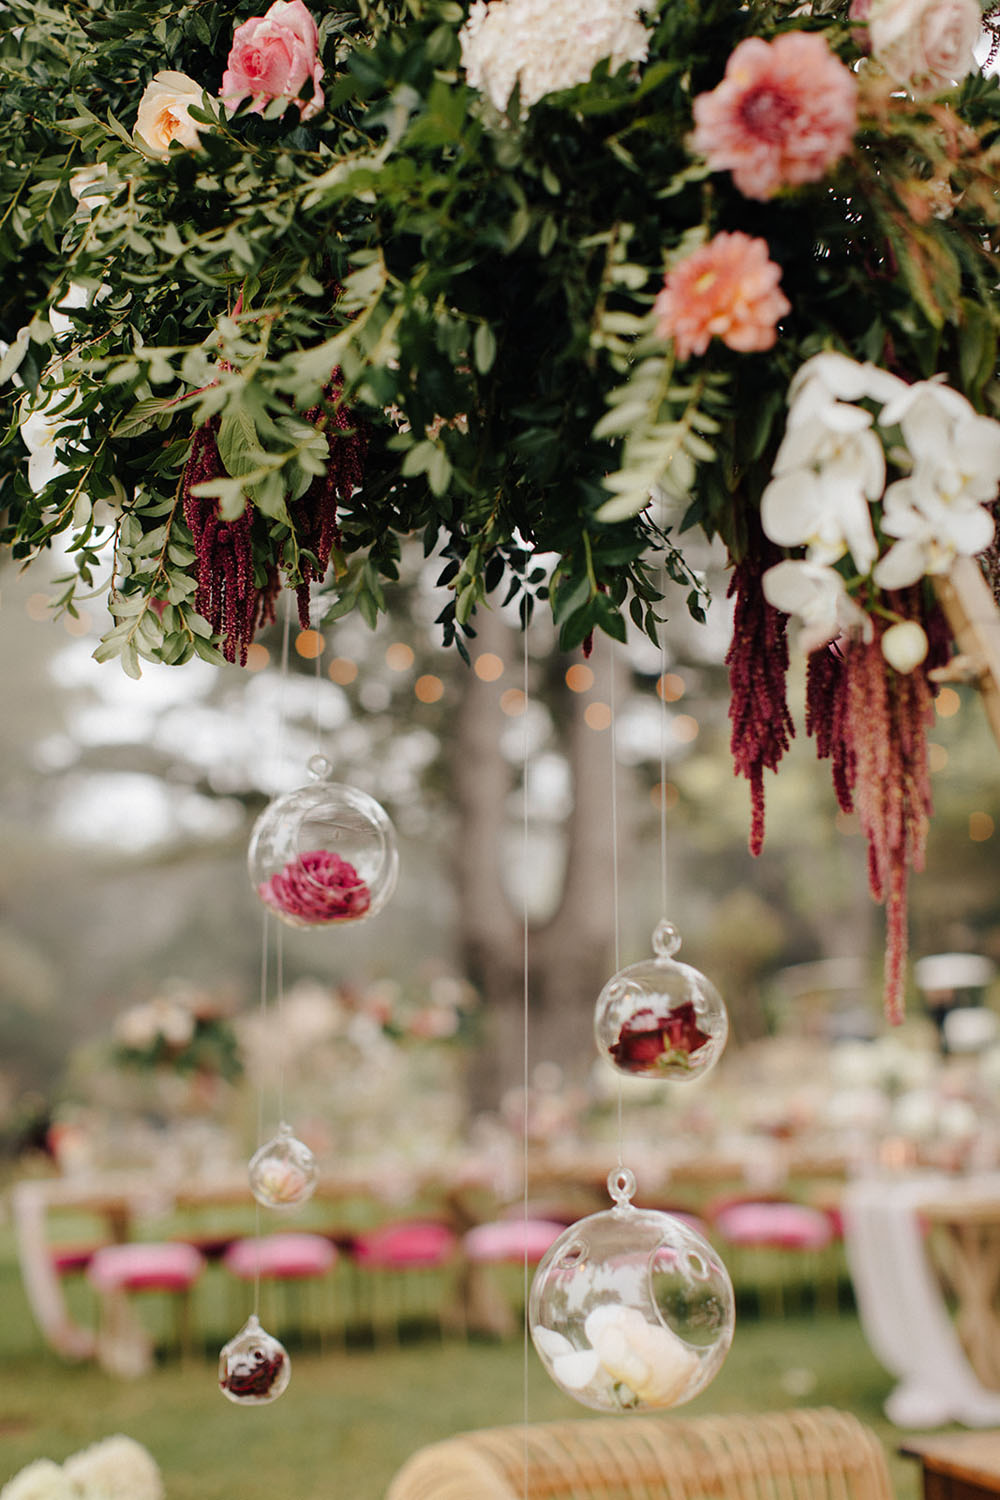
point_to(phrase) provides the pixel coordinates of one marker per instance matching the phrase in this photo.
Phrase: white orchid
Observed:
(816, 596)
(843, 379)
(630, 1360)
(954, 449)
(931, 533)
(829, 467)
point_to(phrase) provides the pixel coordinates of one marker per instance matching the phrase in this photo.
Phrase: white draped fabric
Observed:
(901, 1303)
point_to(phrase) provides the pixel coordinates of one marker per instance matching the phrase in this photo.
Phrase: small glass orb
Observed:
(323, 854)
(660, 1018)
(283, 1171)
(631, 1310)
(254, 1367)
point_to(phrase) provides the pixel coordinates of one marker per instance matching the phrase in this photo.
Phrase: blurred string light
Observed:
(309, 644)
(664, 793)
(670, 687)
(981, 827)
(258, 657)
(399, 657)
(937, 757)
(597, 716)
(947, 703)
(428, 688)
(513, 702)
(342, 671)
(579, 678)
(488, 667)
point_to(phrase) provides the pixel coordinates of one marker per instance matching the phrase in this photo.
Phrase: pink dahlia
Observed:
(317, 887)
(728, 289)
(784, 112)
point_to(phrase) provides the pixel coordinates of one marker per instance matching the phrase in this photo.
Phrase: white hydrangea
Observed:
(117, 1468)
(547, 45)
(42, 1480)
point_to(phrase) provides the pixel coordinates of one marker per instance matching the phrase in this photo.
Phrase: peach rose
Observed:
(274, 56)
(163, 112)
(925, 45)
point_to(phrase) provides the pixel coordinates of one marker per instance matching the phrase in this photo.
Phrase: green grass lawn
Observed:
(351, 1417)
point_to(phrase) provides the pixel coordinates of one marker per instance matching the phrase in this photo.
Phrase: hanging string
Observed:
(615, 883)
(662, 688)
(525, 1060)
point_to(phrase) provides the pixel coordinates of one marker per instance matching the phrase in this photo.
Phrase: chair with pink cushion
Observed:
(788, 1237)
(118, 1270)
(489, 1293)
(289, 1260)
(409, 1266)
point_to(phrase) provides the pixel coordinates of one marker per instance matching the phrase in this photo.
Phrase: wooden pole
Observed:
(974, 620)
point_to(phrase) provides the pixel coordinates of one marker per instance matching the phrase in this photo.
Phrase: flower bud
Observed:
(904, 646)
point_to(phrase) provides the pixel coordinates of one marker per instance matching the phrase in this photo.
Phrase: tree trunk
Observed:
(568, 955)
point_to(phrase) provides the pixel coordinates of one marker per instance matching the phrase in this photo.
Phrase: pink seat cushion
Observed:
(138, 1267)
(789, 1226)
(511, 1239)
(281, 1256)
(404, 1246)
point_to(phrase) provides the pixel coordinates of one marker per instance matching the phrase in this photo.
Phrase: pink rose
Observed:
(273, 57)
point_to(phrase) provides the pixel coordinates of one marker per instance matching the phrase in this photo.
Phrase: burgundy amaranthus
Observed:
(762, 726)
(871, 722)
(226, 596)
(315, 514)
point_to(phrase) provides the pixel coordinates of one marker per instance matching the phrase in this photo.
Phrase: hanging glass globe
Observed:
(660, 1018)
(254, 1367)
(631, 1309)
(323, 854)
(283, 1171)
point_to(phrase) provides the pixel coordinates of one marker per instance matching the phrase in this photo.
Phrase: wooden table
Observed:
(958, 1465)
(966, 1249)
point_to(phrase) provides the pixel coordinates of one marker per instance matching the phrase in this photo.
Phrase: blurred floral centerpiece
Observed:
(183, 1030)
(542, 284)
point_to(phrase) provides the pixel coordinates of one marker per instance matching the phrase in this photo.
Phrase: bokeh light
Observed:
(428, 688)
(513, 702)
(399, 657)
(981, 827)
(579, 678)
(670, 687)
(342, 671)
(488, 667)
(309, 644)
(947, 703)
(597, 716)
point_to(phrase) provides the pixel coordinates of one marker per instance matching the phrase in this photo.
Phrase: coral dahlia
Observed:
(727, 289)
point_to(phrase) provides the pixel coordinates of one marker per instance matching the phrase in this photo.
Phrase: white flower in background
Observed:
(82, 183)
(42, 1480)
(925, 45)
(43, 427)
(164, 113)
(904, 645)
(75, 296)
(817, 597)
(647, 1359)
(144, 1025)
(547, 45)
(118, 1468)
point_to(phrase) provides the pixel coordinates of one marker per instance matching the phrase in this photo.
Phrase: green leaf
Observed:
(484, 348)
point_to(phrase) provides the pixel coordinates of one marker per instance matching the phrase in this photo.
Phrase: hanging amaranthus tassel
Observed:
(226, 596)
(315, 515)
(757, 659)
(871, 721)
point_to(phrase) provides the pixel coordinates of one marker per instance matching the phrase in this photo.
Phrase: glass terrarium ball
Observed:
(659, 1018)
(283, 1171)
(631, 1310)
(254, 1367)
(323, 854)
